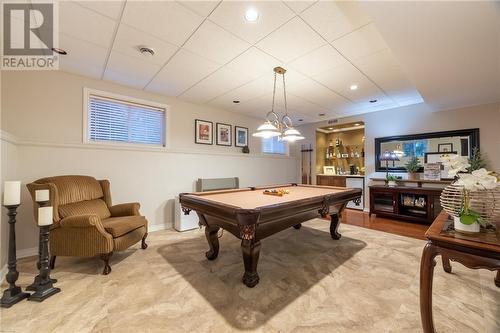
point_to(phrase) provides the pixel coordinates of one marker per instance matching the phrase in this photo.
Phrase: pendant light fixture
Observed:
(273, 126)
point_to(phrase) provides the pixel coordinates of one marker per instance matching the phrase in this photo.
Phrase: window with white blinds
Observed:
(120, 121)
(274, 146)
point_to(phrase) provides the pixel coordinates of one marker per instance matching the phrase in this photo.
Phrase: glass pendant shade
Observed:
(266, 130)
(291, 135)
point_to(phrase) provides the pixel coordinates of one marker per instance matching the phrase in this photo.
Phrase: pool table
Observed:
(251, 215)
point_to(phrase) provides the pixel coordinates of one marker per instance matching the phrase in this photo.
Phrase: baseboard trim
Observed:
(23, 253)
(158, 227)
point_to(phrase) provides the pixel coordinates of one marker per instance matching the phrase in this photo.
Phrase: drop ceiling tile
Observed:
(112, 9)
(128, 41)
(298, 104)
(318, 94)
(383, 103)
(167, 20)
(214, 85)
(383, 68)
(341, 78)
(183, 71)
(74, 21)
(333, 19)
(320, 60)
(231, 16)
(203, 8)
(299, 6)
(256, 107)
(246, 92)
(71, 65)
(254, 63)
(214, 43)
(360, 43)
(82, 52)
(291, 41)
(129, 70)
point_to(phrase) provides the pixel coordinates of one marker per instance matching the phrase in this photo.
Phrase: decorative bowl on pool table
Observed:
(251, 216)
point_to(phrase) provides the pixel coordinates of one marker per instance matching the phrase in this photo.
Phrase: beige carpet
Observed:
(366, 282)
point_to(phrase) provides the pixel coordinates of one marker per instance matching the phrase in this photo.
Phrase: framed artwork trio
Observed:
(204, 133)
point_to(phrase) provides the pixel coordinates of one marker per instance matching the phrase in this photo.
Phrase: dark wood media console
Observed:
(418, 204)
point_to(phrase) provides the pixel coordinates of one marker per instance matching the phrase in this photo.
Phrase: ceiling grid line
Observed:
(180, 47)
(350, 62)
(115, 32)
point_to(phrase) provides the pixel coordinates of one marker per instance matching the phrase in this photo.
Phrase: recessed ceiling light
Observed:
(251, 15)
(59, 51)
(330, 128)
(236, 102)
(321, 114)
(146, 51)
(373, 101)
(357, 124)
(353, 87)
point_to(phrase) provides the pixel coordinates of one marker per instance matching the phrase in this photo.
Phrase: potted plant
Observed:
(391, 180)
(470, 182)
(412, 167)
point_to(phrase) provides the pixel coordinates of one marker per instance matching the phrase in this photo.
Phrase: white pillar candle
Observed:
(44, 216)
(42, 195)
(12, 193)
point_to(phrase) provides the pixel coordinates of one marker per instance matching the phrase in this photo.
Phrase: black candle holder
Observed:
(14, 293)
(45, 287)
(36, 282)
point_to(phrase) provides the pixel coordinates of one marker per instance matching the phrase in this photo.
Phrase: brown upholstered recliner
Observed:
(85, 222)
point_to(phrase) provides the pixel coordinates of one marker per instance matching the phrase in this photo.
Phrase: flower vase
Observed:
(465, 228)
(391, 183)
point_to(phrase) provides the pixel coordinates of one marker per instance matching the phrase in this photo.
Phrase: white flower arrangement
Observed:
(481, 179)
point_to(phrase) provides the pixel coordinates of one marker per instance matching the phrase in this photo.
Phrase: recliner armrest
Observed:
(81, 221)
(126, 209)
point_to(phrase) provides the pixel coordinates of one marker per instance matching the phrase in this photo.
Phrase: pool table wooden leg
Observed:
(334, 226)
(250, 250)
(211, 232)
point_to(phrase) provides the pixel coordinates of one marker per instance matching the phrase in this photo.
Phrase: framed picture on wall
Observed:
(445, 147)
(240, 136)
(223, 136)
(203, 132)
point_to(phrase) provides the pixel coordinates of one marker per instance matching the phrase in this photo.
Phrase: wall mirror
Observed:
(428, 147)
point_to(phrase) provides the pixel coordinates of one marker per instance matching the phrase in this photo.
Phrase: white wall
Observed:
(43, 111)
(418, 119)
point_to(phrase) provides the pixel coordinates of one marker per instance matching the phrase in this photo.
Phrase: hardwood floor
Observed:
(398, 227)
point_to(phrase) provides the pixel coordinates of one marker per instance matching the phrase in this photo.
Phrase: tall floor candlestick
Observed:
(13, 294)
(36, 282)
(45, 287)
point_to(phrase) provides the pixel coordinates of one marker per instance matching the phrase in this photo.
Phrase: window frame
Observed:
(88, 92)
(286, 153)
